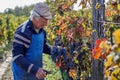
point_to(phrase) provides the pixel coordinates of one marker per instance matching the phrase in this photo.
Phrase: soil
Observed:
(8, 74)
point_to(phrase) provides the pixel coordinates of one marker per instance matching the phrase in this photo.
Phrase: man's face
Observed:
(41, 23)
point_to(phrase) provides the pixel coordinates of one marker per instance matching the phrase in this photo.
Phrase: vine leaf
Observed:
(97, 6)
(118, 6)
(117, 36)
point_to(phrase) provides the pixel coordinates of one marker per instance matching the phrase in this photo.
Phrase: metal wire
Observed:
(108, 22)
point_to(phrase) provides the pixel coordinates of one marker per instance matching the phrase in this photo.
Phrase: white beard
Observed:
(37, 30)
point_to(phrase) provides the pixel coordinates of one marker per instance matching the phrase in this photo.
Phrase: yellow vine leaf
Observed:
(53, 37)
(105, 46)
(106, 73)
(117, 49)
(109, 61)
(115, 74)
(73, 73)
(116, 35)
(118, 6)
(97, 6)
(76, 61)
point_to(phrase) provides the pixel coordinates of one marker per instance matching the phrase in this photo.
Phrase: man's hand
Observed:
(40, 74)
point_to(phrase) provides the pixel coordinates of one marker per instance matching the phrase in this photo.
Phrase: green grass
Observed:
(49, 65)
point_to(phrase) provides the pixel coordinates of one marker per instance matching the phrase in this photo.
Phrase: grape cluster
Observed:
(57, 53)
(71, 58)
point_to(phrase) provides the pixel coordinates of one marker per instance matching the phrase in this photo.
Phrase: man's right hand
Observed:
(40, 74)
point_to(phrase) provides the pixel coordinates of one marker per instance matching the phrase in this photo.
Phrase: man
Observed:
(29, 43)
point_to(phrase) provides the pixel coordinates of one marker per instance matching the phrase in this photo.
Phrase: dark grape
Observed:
(54, 53)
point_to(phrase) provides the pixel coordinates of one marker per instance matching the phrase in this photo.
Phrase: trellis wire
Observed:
(107, 22)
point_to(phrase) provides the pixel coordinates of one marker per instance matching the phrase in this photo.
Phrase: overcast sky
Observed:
(12, 3)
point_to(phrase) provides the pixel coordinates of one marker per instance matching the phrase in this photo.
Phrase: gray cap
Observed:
(43, 10)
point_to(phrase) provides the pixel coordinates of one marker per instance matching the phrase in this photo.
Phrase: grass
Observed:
(49, 65)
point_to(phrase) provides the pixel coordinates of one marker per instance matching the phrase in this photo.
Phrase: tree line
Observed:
(19, 11)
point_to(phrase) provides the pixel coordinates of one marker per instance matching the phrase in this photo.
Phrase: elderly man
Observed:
(29, 43)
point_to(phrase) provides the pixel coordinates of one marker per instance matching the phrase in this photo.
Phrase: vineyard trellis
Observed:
(98, 14)
(99, 21)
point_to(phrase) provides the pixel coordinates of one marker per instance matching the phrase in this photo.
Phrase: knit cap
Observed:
(43, 10)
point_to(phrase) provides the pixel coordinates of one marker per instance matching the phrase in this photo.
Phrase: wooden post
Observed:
(98, 32)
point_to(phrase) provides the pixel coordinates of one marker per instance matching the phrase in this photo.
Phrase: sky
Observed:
(12, 3)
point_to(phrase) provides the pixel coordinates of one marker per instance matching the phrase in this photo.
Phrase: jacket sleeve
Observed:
(47, 47)
(19, 47)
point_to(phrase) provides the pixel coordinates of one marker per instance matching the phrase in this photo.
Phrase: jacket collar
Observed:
(32, 27)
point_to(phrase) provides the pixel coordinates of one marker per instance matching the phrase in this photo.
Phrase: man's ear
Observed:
(35, 19)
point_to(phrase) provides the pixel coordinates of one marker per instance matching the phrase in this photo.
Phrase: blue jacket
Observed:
(21, 44)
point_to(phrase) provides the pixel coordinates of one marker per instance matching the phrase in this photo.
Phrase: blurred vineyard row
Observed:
(73, 30)
(8, 24)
